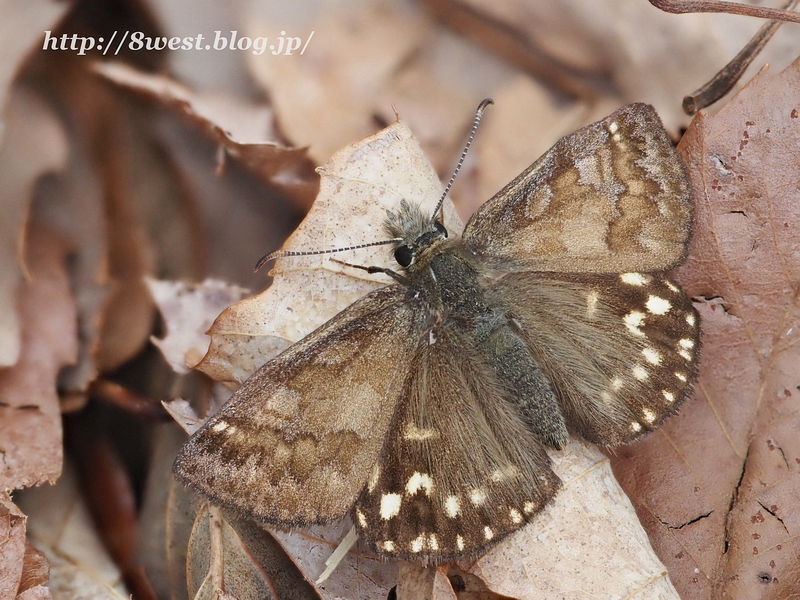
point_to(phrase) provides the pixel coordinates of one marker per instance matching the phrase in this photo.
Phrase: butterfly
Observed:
(423, 410)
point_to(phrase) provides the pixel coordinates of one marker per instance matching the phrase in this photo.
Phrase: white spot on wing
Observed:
(690, 319)
(508, 472)
(452, 506)
(617, 383)
(591, 303)
(636, 427)
(362, 520)
(477, 497)
(648, 415)
(431, 338)
(652, 356)
(219, 427)
(460, 542)
(633, 279)
(658, 305)
(672, 287)
(390, 506)
(639, 372)
(433, 543)
(488, 533)
(373, 478)
(688, 344)
(418, 434)
(685, 354)
(515, 516)
(418, 544)
(529, 507)
(388, 546)
(633, 321)
(681, 376)
(668, 396)
(417, 481)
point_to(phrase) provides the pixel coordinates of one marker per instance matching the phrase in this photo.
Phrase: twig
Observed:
(723, 82)
(717, 6)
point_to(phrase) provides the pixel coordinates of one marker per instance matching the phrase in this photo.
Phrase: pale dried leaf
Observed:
(718, 486)
(30, 419)
(244, 130)
(591, 511)
(12, 546)
(39, 592)
(359, 575)
(416, 581)
(184, 415)
(165, 518)
(380, 35)
(238, 558)
(32, 143)
(59, 525)
(35, 568)
(188, 311)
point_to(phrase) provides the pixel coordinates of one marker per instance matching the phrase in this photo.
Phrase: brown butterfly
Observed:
(424, 408)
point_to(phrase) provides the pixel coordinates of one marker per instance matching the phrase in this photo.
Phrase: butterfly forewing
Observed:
(619, 350)
(612, 197)
(296, 442)
(460, 470)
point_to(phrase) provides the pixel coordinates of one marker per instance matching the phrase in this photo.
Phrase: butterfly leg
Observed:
(396, 276)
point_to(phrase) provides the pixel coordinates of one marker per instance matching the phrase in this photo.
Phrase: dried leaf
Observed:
(35, 568)
(186, 310)
(60, 526)
(325, 75)
(364, 59)
(245, 131)
(416, 581)
(37, 593)
(718, 487)
(32, 144)
(166, 518)
(240, 559)
(12, 546)
(30, 419)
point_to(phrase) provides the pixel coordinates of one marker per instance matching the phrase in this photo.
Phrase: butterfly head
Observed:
(419, 233)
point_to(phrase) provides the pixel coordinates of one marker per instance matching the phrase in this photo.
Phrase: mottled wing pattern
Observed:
(620, 351)
(296, 442)
(610, 198)
(460, 470)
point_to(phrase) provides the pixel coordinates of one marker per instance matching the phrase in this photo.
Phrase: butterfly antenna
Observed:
(478, 114)
(284, 253)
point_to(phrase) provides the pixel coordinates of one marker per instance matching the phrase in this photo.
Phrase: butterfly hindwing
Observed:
(460, 469)
(619, 350)
(612, 197)
(295, 444)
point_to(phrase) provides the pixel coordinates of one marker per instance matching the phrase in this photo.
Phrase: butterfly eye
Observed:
(440, 228)
(404, 256)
